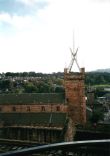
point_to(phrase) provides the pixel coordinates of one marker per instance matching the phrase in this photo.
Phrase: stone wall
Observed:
(39, 135)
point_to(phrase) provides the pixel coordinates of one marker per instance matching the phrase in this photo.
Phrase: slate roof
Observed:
(32, 98)
(27, 119)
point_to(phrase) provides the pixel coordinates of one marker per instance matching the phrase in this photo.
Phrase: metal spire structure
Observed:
(74, 58)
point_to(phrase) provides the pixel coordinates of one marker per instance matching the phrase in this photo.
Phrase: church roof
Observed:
(35, 119)
(32, 98)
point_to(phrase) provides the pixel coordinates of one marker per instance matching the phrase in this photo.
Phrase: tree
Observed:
(30, 88)
(97, 116)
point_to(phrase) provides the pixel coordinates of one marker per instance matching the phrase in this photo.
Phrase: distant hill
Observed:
(107, 70)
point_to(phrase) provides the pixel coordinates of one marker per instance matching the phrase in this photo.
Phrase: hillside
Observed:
(107, 70)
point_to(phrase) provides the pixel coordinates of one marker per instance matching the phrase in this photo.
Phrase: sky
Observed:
(36, 35)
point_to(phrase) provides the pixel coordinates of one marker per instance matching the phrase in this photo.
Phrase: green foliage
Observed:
(93, 78)
(31, 82)
(97, 116)
(30, 88)
(38, 82)
(5, 84)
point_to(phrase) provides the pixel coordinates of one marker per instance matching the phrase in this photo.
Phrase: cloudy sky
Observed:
(36, 35)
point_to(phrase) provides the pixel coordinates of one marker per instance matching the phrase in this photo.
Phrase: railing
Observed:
(76, 148)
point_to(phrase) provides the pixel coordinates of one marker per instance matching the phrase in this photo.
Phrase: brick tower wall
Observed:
(75, 96)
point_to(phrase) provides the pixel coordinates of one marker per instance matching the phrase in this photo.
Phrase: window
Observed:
(43, 108)
(75, 89)
(58, 108)
(67, 100)
(0, 109)
(28, 108)
(14, 109)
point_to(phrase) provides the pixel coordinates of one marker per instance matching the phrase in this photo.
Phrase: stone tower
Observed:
(74, 96)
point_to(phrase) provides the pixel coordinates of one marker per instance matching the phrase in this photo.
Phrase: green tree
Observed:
(30, 88)
(97, 116)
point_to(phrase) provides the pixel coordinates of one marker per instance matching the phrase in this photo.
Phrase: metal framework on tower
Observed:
(73, 58)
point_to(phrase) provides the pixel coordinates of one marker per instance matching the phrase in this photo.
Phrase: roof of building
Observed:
(35, 119)
(32, 98)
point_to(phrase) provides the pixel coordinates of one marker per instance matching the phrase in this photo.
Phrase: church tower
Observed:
(75, 96)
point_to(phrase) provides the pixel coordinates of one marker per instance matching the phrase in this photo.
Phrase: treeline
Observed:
(91, 78)
(96, 78)
(32, 82)
(28, 74)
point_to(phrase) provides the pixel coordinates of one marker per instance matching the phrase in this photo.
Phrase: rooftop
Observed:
(32, 98)
(27, 119)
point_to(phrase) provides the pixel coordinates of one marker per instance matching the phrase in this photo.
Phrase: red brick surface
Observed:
(75, 96)
(34, 108)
